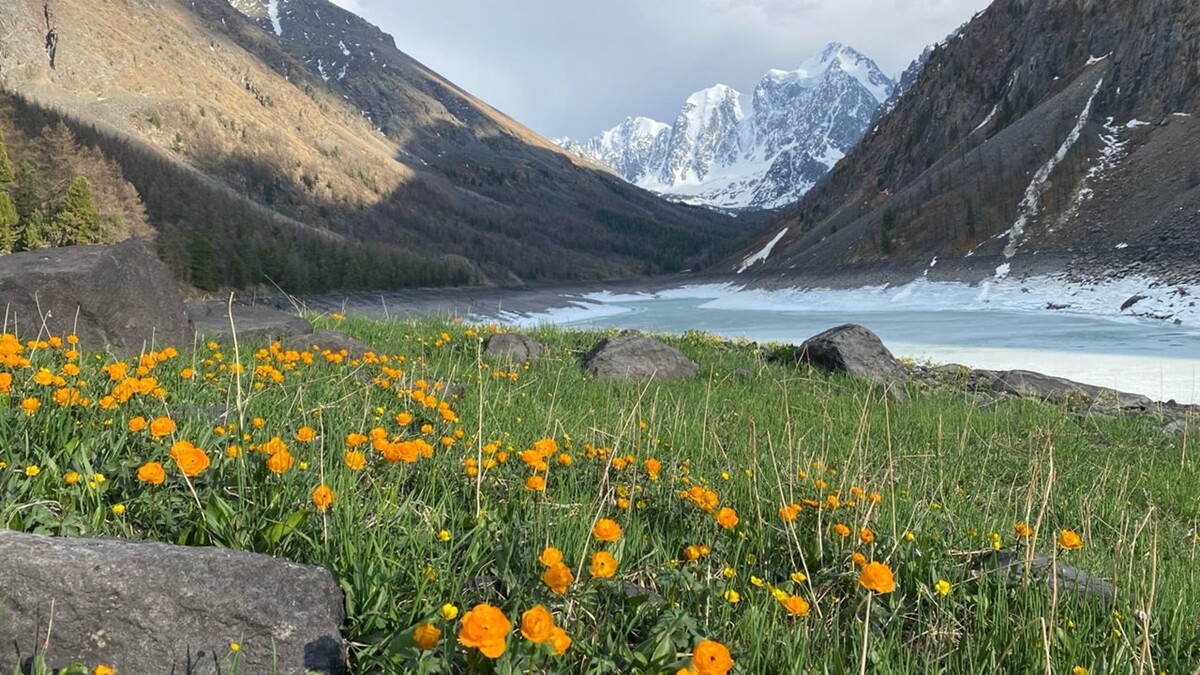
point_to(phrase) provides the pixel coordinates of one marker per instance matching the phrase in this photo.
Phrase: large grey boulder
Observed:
(512, 347)
(147, 607)
(852, 350)
(121, 297)
(634, 357)
(253, 323)
(1028, 384)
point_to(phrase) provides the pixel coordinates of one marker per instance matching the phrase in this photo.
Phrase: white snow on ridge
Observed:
(763, 253)
(737, 150)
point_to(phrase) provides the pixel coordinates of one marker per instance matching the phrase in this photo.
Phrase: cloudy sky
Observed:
(576, 67)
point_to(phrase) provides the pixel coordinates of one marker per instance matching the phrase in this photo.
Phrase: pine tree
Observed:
(201, 265)
(8, 223)
(6, 169)
(33, 231)
(29, 192)
(77, 221)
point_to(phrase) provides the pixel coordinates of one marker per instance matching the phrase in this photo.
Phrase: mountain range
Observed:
(750, 151)
(1042, 129)
(290, 142)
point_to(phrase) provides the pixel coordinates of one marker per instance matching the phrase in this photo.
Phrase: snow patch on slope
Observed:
(762, 253)
(273, 12)
(1028, 209)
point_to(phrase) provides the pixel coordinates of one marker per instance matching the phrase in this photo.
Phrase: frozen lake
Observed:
(999, 325)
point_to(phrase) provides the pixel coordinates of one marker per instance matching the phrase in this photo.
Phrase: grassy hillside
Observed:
(751, 506)
(256, 168)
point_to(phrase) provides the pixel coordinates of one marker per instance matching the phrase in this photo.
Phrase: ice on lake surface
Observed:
(995, 325)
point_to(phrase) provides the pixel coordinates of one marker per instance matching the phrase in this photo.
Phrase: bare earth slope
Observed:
(327, 133)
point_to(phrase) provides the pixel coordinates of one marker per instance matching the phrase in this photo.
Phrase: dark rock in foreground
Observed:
(852, 350)
(1064, 578)
(634, 357)
(512, 347)
(254, 323)
(147, 607)
(118, 297)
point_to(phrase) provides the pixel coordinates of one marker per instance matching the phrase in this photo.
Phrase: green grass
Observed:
(952, 477)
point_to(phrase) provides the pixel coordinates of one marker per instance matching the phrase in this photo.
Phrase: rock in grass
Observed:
(118, 297)
(512, 347)
(1009, 566)
(1028, 384)
(332, 340)
(852, 350)
(148, 607)
(635, 357)
(254, 323)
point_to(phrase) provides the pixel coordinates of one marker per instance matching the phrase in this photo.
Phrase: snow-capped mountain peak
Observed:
(761, 150)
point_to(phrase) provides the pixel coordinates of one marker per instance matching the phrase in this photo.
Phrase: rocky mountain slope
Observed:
(759, 151)
(290, 141)
(1057, 127)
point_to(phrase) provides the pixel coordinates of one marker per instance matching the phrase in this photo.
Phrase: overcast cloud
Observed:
(576, 67)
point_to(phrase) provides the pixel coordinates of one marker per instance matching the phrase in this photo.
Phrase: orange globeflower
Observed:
(842, 530)
(550, 556)
(280, 461)
(191, 460)
(1022, 530)
(558, 577)
(537, 624)
(727, 518)
(795, 605)
(322, 497)
(789, 513)
(1069, 540)
(486, 628)
(653, 467)
(877, 576)
(559, 640)
(161, 426)
(355, 460)
(426, 636)
(604, 565)
(607, 530)
(536, 483)
(711, 658)
(305, 434)
(866, 536)
(30, 405)
(151, 472)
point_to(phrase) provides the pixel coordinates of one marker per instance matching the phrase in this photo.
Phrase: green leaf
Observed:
(276, 533)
